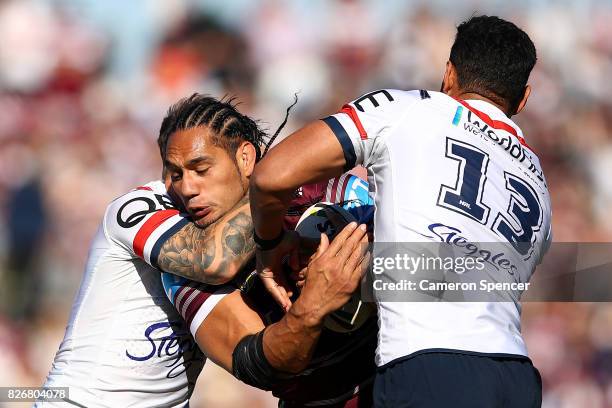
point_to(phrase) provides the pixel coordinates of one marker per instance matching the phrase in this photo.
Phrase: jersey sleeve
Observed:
(352, 193)
(141, 221)
(361, 125)
(193, 300)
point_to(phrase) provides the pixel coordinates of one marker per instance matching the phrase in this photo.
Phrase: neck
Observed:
(473, 95)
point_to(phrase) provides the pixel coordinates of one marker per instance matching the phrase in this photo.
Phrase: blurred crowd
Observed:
(84, 86)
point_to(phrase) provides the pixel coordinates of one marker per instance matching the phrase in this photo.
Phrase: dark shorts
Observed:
(362, 399)
(458, 380)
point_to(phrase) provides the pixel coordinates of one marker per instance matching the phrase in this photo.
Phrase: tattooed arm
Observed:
(214, 254)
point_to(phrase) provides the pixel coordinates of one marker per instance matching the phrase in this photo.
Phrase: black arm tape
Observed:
(268, 244)
(249, 363)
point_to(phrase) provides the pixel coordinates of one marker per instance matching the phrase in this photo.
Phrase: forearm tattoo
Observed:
(210, 254)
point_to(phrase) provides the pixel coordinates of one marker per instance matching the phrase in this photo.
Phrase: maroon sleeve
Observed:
(304, 197)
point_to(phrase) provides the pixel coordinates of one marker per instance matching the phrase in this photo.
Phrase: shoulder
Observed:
(387, 99)
(142, 219)
(129, 209)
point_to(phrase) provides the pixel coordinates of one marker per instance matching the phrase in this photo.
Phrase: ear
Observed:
(245, 158)
(450, 84)
(523, 102)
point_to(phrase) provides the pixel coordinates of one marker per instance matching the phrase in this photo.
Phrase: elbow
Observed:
(261, 182)
(257, 182)
(264, 180)
(218, 279)
(215, 276)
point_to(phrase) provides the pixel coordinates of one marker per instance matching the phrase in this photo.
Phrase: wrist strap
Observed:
(268, 244)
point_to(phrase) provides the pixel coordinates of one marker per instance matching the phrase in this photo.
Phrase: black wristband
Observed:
(268, 244)
(250, 365)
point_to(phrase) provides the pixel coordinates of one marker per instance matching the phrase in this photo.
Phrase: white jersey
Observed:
(443, 170)
(125, 345)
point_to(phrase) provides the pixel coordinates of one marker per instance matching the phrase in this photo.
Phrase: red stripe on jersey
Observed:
(195, 305)
(144, 188)
(495, 124)
(350, 111)
(147, 229)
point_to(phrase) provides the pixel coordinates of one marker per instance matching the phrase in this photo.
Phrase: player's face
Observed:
(206, 180)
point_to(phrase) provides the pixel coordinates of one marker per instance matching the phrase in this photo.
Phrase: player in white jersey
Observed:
(444, 167)
(125, 344)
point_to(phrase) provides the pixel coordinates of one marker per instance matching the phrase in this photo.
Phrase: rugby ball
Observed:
(330, 219)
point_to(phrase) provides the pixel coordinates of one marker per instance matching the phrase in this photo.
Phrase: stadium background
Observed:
(84, 85)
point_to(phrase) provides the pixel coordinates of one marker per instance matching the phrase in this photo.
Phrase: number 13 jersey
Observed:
(455, 172)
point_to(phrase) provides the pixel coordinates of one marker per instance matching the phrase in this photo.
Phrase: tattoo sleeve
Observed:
(213, 254)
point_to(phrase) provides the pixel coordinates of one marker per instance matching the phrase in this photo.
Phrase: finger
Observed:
(356, 255)
(278, 293)
(352, 242)
(284, 288)
(346, 232)
(353, 239)
(301, 278)
(365, 244)
(360, 270)
(286, 293)
(323, 245)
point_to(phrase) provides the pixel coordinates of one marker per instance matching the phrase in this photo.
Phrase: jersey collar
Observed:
(494, 117)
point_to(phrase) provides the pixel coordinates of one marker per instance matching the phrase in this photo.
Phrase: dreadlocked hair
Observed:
(229, 127)
(282, 125)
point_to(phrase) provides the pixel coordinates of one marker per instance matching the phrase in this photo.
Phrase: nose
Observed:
(189, 188)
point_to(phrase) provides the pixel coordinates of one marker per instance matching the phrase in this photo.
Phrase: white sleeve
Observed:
(141, 221)
(361, 124)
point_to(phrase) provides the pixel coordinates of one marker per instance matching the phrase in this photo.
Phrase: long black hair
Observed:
(229, 127)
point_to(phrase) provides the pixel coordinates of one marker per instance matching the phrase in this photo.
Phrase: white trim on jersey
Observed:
(207, 307)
